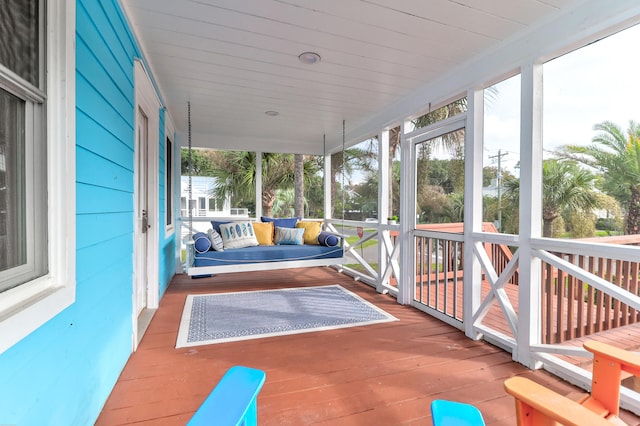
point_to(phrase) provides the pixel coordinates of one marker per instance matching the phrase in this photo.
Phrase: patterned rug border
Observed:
(187, 315)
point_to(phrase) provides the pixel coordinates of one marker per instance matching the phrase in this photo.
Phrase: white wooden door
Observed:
(142, 211)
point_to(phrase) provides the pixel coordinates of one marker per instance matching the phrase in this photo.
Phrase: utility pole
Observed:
(499, 184)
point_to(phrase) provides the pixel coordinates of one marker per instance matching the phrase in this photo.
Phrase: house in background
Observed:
(92, 123)
(203, 201)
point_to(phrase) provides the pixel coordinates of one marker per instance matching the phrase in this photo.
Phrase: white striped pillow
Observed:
(216, 240)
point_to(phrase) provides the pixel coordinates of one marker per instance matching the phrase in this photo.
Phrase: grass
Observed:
(597, 234)
(353, 239)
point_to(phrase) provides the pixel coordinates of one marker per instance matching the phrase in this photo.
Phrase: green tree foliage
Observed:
(235, 174)
(202, 162)
(581, 225)
(614, 220)
(566, 188)
(617, 155)
(433, 205)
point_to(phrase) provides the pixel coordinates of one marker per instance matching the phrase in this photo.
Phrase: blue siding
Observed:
(63, 372)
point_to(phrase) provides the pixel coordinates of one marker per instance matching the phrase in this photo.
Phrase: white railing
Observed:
(438, 286)
(583, 291)
(373, 251)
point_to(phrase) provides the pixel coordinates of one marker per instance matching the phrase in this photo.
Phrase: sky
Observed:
(599, 82)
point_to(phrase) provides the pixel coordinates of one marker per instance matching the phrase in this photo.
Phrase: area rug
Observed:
(229, 317)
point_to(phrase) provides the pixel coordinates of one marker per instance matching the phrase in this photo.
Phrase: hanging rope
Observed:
(190, 167)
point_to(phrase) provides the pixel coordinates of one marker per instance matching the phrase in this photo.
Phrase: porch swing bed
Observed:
(325, 249)
(329, 251)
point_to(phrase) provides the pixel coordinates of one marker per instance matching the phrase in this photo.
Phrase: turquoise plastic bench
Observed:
(451, 413)
(233, 400)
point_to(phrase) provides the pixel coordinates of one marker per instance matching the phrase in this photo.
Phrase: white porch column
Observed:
(407, 219)
(383, 201)
(258, 184)
(530, 213)
(327, 186)
(473, 154)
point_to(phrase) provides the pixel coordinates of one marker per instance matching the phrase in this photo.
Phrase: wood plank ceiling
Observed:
(236, 59)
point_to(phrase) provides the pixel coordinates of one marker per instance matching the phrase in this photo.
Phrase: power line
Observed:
(499, 156)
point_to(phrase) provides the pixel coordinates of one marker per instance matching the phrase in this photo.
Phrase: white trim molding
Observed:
(25, 308)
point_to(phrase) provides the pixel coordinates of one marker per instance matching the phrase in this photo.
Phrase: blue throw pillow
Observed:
(289, 236)
(216, 225)
(202, 242)
(282, 222)
(327, 239)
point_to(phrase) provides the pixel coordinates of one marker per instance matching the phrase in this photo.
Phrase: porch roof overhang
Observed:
(381, 61)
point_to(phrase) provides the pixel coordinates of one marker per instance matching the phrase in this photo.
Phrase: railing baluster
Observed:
(634, 288)
(591, 302)
(560, 303)
(456, 314)
(445, 270)
(571, 314)
(625, 283)
(580, 302)
(547, 310)
(607, 299)
(600, 302)
(616, 302)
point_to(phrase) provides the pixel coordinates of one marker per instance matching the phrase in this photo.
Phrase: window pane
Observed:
(12, 182)
(169, 182)
(20, 39)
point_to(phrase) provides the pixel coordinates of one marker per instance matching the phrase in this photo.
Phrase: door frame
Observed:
(415, 138)
(146, 100)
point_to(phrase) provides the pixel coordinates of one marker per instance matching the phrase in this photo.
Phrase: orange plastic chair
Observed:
(537, 405)
(609, 362)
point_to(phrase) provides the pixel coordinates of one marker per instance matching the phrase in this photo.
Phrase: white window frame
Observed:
(26, 307)
(169, 175)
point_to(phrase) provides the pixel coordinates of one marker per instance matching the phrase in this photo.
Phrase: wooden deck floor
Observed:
(383, 374)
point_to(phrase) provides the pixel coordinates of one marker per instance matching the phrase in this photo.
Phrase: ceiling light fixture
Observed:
(309, 58)
(272, 113)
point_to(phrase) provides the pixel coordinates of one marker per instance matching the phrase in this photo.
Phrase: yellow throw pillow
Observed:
(264, 233)
(311, 231)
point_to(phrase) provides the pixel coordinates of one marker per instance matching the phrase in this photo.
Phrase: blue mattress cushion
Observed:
(261, 254)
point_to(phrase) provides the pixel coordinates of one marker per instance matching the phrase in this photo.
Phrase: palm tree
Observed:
(235, 173)
(237, 176)
(566, 188)
(298, 161)
(617, 155)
